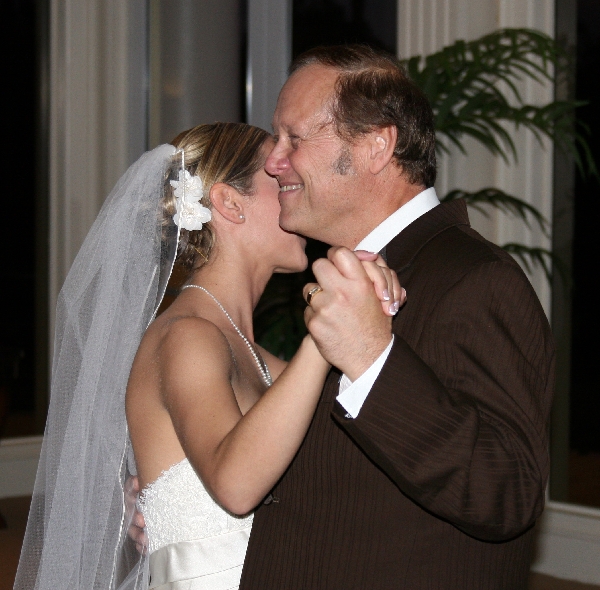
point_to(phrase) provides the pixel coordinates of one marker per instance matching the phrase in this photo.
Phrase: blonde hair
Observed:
(221, 152)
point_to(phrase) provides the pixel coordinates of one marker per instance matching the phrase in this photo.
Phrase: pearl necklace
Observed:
(260, 363)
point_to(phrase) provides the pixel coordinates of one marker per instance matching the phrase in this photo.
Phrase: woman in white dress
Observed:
(213, 418)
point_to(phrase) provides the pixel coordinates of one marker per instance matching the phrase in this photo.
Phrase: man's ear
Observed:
(382, 143)
(228, 202)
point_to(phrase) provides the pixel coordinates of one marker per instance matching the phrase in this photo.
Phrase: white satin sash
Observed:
(214, 563)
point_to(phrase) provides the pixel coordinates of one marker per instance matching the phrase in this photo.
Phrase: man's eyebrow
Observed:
(324, 123)
(282, 128)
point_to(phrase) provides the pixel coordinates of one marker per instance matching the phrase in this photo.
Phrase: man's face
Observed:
(319, 174)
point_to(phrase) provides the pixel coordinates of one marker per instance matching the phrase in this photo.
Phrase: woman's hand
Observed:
(136, 529)
(385, 280)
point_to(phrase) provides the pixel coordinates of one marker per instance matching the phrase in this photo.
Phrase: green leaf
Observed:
(532, 257)
(473, 90)
(495, 197)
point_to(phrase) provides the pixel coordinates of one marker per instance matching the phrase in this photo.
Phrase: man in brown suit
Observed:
(426, 463)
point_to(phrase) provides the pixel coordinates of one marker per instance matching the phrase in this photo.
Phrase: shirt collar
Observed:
(389, 228)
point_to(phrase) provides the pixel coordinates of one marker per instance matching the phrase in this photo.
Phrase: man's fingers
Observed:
(135, 530)
(327, 276)
(137, 533)
(132, 484)
(308, 314)
(342, 263)
(138, 520)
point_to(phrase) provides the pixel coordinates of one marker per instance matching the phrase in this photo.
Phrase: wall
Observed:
(99, 114)
(18, 464)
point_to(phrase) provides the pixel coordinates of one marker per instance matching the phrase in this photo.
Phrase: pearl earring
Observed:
(242, 217)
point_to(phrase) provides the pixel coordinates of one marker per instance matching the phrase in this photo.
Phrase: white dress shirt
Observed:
(352, 395)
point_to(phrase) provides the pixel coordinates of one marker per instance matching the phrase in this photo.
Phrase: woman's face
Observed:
(285, 248)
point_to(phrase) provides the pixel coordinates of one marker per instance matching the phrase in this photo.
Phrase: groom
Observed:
(426, 462)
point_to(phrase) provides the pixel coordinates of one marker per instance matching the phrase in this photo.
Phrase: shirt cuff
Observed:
(352, 396)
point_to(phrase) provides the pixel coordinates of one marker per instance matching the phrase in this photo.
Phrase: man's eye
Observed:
(294, 140)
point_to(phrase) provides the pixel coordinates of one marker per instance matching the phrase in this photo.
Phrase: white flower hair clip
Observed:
(190, 214)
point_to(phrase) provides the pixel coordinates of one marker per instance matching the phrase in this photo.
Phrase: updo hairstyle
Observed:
(221, 152)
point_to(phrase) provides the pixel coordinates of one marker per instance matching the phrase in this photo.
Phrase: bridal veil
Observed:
(76, 535)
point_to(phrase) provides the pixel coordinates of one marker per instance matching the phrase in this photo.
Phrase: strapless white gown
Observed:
(193, 543)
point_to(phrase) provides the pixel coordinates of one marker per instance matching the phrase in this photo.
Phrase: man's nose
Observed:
(277, 161)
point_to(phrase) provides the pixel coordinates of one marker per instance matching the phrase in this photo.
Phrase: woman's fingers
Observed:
(385, 287)
(399, 297)
(399, 291)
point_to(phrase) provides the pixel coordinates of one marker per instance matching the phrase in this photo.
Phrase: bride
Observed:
(213, 418)
(197, 371)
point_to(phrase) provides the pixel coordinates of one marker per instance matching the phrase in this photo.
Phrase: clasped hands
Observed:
(350, 317)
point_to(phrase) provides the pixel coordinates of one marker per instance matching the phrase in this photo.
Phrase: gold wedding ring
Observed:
(312, 293)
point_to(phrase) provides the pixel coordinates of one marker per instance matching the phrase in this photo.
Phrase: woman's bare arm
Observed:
(239, 458)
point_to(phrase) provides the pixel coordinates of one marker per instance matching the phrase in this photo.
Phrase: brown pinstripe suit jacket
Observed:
(438, 482)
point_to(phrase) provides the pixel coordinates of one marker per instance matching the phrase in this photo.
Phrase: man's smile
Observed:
(289, 187)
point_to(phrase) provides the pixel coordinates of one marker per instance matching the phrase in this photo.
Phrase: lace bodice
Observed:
(177, 507)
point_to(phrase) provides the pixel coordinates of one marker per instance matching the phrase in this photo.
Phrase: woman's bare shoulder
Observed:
(176, 348)
(189, 338)
(176, 341)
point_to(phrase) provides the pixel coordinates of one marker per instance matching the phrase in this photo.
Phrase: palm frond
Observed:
(473, 90)
(532, 257)
(497, 198)
(284, 334)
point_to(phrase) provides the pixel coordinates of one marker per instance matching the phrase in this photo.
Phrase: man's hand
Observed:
(136, 530)
(345, 319)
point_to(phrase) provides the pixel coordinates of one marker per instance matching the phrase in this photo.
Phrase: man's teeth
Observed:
(289, 187)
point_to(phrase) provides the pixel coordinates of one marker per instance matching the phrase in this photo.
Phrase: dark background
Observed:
(585, 376)
(18, 71)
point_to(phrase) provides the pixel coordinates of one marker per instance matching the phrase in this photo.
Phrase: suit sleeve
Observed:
(459, 421)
